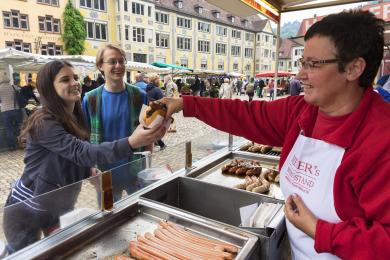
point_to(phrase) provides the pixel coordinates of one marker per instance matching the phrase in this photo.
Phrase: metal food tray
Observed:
(212, 172)
(112, 238)
(271, 155)
(221, 204)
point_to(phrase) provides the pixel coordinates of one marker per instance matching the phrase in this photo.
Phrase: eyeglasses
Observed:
(114, 62)
(313, 64)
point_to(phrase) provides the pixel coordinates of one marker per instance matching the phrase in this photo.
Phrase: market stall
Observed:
(174, 200)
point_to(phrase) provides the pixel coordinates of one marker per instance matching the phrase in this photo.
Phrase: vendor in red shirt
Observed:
(335, 164)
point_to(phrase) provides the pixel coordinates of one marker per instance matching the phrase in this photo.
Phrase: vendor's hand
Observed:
(300, 216)
(174, 105)
(143, 137)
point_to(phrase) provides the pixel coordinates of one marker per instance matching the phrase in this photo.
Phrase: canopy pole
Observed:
(277, 60)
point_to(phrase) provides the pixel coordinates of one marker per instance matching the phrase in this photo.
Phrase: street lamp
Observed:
(37, 43)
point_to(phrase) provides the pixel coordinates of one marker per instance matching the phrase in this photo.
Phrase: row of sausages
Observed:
(170, 241)
(242, 167)
(260, 148)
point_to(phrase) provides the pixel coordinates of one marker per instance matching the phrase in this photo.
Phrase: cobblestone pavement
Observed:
(203, 137)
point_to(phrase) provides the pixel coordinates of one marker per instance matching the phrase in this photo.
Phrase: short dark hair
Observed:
(355, 34)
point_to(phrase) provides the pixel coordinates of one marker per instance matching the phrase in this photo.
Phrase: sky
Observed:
(292, 16)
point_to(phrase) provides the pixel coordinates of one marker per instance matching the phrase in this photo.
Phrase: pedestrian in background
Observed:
(154, 93)
(250, 89)
(140, 81)
(226, 89)
(87, 86)
(11, 113)
(295, 87)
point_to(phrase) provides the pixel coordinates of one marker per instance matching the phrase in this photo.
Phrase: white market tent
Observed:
(30, 62)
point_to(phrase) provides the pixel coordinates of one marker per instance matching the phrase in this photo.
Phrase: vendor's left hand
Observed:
(300, 216)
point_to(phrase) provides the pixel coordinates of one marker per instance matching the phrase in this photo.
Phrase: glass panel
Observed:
(131, 177)
(24, 223)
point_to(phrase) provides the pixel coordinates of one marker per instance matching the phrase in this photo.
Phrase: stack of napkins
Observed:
(265, 215)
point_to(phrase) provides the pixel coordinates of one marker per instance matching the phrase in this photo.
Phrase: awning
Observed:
(273, 8)
(170, 66)
(272, 74)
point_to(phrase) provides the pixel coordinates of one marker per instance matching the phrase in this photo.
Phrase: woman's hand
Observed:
(174, 105)
(300, 216)
(143, 137)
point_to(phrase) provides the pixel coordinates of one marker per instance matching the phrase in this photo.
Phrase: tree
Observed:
(74, 30)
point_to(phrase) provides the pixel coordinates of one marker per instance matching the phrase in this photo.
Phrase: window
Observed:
(184, 43)
(125, 5)
(203, 46)
(49, 24)
(184, 63)
(162, 18)
(203, 64)
(221, 66)
(231, 18)
(266, 38)
(48, 2)
(236, 34)
(184, 22)
(204, 27)
(236, 50)
(267, 53)
(97, 31)
(235, 66)
(248, 67)
(15, 20)
(199, 9)
(220, 48)
(162, 40)
(51, 49)
(216, 14)
(179, 3)
(19, 45)
(139, 57)
(249, 37)
(220, 30)
(248, 52)
(137, 8)
(138, 34)
(149, 11)
(99, 5)
(127, 32)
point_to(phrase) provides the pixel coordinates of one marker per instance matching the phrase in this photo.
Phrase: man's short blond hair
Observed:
(100, 54)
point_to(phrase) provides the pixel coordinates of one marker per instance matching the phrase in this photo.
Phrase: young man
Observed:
(112, 111)
(334, 171)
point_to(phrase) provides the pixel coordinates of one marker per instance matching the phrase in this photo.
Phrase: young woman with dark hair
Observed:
(58, 154)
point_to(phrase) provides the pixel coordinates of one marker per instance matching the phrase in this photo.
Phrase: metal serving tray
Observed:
(211, 172)
(221, 204)
(112, 236)
(271, 155)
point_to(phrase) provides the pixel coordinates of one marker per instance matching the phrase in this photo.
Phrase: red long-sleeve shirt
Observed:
(362, 182)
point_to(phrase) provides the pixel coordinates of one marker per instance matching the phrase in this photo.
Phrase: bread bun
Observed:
(154, 110)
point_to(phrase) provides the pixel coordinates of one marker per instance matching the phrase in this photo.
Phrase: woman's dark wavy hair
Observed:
(54, 106)
(355, 34)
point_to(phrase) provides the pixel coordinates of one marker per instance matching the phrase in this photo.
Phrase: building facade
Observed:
(190, 33)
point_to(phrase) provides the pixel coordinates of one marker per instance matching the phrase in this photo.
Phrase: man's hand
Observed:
(300, 216)
(143, 137)
(174, 105)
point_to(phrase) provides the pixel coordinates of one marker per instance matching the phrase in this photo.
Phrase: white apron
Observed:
(309, 171)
